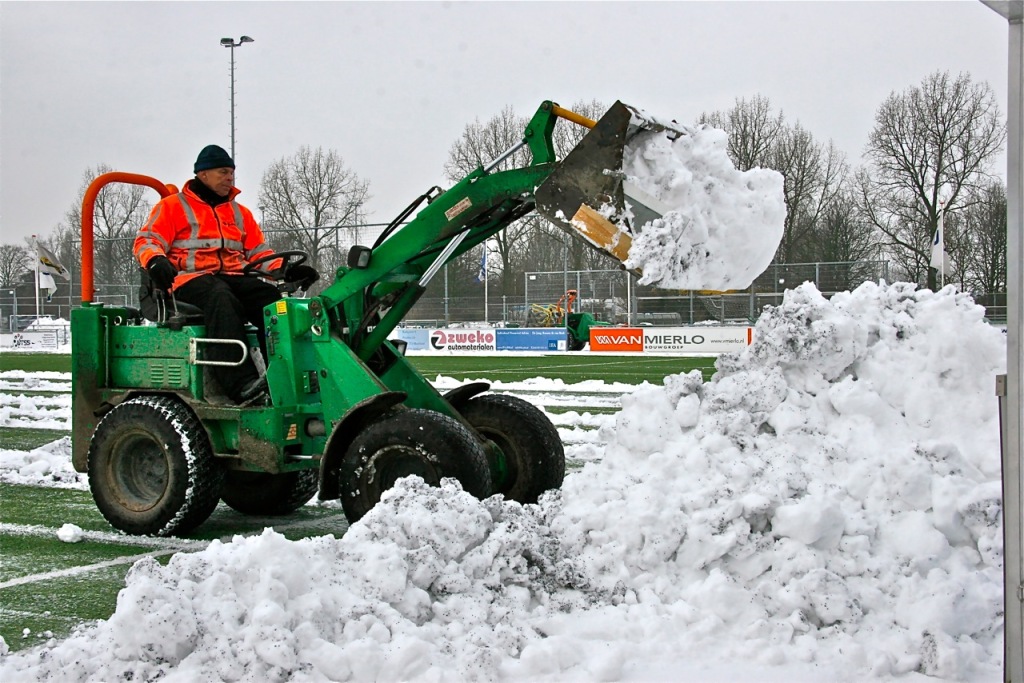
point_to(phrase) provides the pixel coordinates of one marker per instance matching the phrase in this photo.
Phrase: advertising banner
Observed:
(617, 339)
(462, 340)
(44, 339)
(699, 339)
(531, 339)
(417, 339)
(695, 339)
(483, 339)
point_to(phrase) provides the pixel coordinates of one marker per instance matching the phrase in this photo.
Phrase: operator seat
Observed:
(158, 307)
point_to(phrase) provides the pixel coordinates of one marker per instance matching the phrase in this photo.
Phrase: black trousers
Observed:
(228, 302)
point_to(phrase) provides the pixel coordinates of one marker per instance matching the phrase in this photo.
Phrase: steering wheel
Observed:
(286, 256)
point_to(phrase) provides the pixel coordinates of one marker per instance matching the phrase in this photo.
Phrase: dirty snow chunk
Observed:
(70, 533)
(812, 521)
(722, 226)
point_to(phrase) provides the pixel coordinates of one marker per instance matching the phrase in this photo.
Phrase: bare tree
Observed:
(984, 248)
(843, 237)
(119, 211)
(931, 143)
(753, 131)
(479, 144)
(308, 200)
(815, 173)
(15, 262)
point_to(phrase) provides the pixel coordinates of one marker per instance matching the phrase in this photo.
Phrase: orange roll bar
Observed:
(88, 211)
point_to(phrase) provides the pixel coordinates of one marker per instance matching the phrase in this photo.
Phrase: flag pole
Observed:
(942, 241)
(35, 243)
(483, 269)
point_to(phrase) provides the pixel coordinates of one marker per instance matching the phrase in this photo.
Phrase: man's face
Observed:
(220, 180)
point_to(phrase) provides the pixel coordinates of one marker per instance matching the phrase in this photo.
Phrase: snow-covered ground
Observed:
(827, 508)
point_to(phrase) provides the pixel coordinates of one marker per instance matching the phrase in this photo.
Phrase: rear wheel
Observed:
(151, 468)
(262, 493)
(418, 442)
(534, 455)
(572, 343)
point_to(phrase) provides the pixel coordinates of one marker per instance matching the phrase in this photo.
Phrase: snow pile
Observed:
(826, 508)
(832, 496)
(46, 323)
(720, 226)
(48, 465)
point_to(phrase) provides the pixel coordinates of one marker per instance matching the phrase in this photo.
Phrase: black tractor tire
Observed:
(534, 455)
(573, 343)
(151, 468)
(410, 442)
(265, 494)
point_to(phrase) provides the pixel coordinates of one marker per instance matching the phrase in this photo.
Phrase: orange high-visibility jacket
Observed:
(200, 239)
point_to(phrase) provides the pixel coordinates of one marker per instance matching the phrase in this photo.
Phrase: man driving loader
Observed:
(196, 245)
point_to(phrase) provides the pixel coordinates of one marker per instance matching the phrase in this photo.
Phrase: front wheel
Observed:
(533, 452)
(418, 442)
(151, 468)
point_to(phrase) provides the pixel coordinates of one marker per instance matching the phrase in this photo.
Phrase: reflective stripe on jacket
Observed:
(200, 239)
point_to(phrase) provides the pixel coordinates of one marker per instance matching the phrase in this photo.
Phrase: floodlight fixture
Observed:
(230, 43)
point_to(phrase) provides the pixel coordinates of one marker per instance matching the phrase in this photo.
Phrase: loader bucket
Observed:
(588, 193)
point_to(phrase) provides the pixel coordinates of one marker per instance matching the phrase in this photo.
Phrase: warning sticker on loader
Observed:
(461, 206)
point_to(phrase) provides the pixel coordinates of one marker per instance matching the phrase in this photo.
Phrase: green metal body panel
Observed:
(149, 357)
(88, 373)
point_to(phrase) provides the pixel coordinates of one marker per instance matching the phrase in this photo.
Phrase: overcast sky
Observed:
(142, 87)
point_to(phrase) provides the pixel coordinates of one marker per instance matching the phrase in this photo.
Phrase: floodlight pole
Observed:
(231, 45)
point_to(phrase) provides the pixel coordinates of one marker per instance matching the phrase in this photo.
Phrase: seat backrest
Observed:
(162, 308)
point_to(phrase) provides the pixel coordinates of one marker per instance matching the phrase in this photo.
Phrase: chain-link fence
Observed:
(609, 295)
(20, 307)
(614, 296)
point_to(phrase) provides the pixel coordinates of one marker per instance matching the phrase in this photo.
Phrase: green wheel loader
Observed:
(348, 415)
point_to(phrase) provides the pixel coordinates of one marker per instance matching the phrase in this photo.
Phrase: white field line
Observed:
(167, 546)
(83, 569)
(103, 536)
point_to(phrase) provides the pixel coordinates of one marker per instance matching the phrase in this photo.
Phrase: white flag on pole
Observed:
(47, 285)
(49, 263)
(481, 275)
(940, 259)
